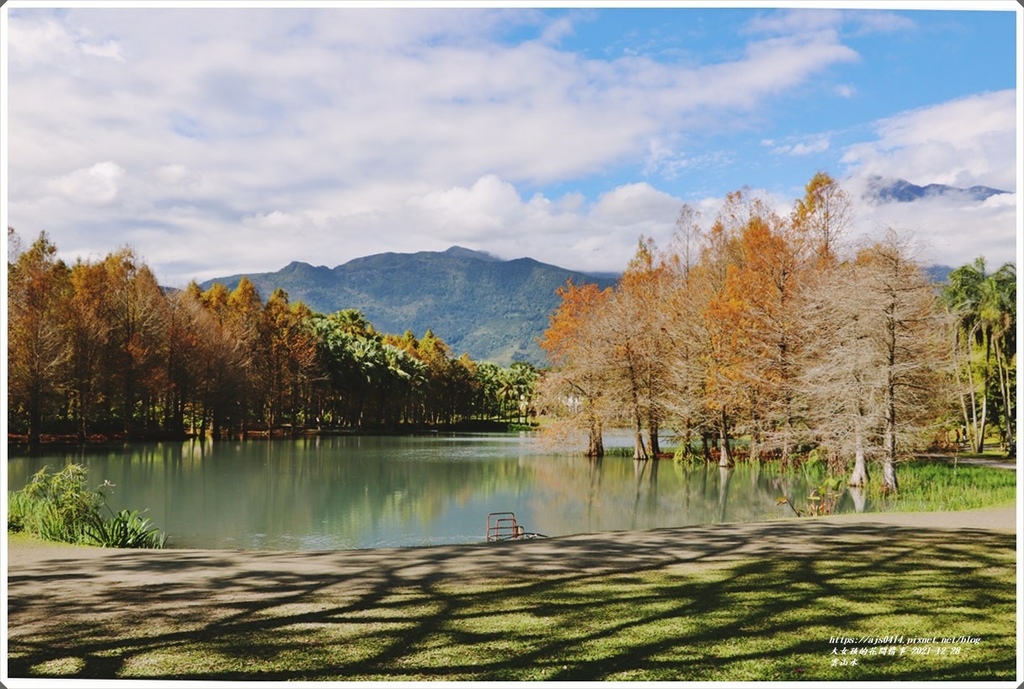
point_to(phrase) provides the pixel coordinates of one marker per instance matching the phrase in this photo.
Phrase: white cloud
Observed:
(961, 143)
(949, 232)
(490, 207)
(33, 43)
(257, 137)
(177, 175)
(109, 49)
(95, 185)
(872, 22)
(47, 42)
(818, 143)
(812, 21)
(634, 205)
(793, 21)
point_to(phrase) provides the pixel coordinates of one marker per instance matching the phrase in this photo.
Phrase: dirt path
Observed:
(101, 613)
(44, 579)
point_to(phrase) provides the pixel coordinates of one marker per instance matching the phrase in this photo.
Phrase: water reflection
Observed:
(375, 491)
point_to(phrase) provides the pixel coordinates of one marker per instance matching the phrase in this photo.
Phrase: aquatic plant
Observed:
(59, 506)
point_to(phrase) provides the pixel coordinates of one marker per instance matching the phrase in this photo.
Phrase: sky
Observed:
(217, 140)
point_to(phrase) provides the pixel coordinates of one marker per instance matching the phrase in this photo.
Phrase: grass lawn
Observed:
(943, 609)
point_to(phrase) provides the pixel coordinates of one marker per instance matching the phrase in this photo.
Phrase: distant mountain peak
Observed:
(492, 309)
(888, 190)
(463, 252)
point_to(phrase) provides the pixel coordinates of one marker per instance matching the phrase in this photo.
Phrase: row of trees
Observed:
(101, 348)
(983, 306)
(775, 328)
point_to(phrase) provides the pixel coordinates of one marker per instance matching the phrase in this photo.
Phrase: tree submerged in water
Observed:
(764, 336)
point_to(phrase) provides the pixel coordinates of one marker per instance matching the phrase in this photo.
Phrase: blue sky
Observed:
(237, 139)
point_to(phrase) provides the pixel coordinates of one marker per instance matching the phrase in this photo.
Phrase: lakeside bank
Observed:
(95, 613)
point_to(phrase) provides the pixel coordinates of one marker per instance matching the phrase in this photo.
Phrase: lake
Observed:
(343, 492)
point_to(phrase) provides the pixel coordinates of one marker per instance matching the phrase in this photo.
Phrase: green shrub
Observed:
(60, 507)
(125, 530)
(17, 505)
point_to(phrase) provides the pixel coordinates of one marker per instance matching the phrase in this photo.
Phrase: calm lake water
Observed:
(340, 492)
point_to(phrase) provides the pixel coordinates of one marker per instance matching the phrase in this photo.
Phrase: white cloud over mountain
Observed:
(221, 141)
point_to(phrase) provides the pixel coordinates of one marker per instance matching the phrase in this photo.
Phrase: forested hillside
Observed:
(493, 310)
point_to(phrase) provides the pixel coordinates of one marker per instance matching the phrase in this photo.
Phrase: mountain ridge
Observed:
(490, 308)
(888, 190)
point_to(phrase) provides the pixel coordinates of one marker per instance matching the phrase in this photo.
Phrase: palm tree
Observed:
(984, 308)
(998, 313)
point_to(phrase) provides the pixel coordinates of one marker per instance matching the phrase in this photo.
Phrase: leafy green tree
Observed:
(523, 376)
(984, 308)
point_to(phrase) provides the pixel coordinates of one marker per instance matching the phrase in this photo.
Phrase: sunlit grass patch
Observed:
(59, 667)
(774, 618)
(947, 486)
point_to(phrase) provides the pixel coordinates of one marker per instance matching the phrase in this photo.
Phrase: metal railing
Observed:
(502, 526)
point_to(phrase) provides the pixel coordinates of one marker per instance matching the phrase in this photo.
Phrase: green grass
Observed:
(772, 618)
(927, 486)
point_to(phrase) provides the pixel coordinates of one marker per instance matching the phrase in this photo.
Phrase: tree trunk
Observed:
(724, 453)
(860, 466)
(595, 446)
(860, 499)
(639, 449)
(652, 434)
(1005, 393)
(979, 426)
(889, 482)
(34, 418)
(724, 478)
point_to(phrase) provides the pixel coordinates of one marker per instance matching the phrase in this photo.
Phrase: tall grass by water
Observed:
(925, 485)
(60, 507)
(930, 486)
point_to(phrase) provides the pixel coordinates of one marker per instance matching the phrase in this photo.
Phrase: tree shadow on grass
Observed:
(725, 602)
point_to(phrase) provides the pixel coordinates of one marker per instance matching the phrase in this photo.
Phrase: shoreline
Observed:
(98, 612)
(30, 555)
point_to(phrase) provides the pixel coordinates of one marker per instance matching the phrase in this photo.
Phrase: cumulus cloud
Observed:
(947, 231)
(490, 207)
(961, 143)
(634, 205)
(177, 175)
(96, 185)
(246, 139)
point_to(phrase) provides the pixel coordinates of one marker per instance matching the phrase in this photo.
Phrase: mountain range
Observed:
(492, 309)
(886, 190)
